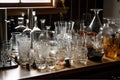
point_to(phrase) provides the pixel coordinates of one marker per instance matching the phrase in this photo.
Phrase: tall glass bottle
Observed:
(27, 30)
(35, 30)
(42, 24)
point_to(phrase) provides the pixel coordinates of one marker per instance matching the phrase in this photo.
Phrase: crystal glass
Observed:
(5, 54)
(34, 30)
(27, 30)
(24, 46)
(94, 37)
(78, 51)
(20, 26)
(48, 32)
(95, 24)
(13, 40)
(51, 63)
(63, 31)
(52, 42)
(42, 24)
(40, 62)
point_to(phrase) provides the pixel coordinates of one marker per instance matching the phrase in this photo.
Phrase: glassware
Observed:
(113, 23)
(63, 32)
(51, 63)
(35, 30)
(53, 45)
(14, 43)
(94, 37)
(111, 40)
(5, 54)
(40, 62)
(47, 32)
(20, 26)
(79, 52)
(95, 24)
(27, 30)
(42, 24)
(24, 45)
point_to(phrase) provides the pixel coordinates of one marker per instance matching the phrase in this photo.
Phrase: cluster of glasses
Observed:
(64, 46)
(49, 49)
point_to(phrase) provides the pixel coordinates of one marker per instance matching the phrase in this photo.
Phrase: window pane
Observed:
(9, 1)
(36, 1)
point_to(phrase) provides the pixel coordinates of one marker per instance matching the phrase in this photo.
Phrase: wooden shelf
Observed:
(17, 12)
(105, 69)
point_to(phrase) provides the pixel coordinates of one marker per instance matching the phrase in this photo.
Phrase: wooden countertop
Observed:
(76, 71)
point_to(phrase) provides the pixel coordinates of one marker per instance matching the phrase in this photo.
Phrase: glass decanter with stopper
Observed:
(63, 30)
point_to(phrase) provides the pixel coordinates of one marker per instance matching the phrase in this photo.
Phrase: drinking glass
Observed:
(51, 63)
(24, 46)
(14, 44)
(79, 52)
(5, 54)
(40, 61)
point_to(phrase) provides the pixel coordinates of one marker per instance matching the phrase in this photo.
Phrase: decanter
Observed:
(27, 30)
(20, 26)
(35, 32)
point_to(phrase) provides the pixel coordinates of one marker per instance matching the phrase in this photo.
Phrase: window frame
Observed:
(17, 5)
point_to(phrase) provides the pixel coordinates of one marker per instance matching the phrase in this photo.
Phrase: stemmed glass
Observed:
(95, 24)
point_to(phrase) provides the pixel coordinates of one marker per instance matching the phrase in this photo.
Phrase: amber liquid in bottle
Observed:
(112, 48)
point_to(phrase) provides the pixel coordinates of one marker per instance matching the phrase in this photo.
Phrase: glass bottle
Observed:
(112, 41)
(20, 26)
(27, 30)
(35, 30)
(42, 24)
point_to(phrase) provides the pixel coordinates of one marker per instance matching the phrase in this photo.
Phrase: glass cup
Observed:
(14, 44)
(40, 62)
(5, 51)
(51, 63)
(24, 46)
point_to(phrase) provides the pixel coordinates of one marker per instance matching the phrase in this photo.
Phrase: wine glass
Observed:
(95, 24)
